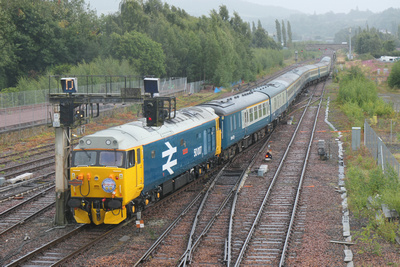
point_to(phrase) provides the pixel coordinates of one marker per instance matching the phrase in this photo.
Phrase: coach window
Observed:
(255, 113)
(259, 111)
(131, 159)
(264, 105)
(234, 122)
(251, 114)
(230, 120)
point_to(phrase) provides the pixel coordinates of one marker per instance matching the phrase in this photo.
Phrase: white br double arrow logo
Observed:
(170, 152)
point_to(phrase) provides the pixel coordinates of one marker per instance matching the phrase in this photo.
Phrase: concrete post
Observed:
(61, 159)
(356, 138)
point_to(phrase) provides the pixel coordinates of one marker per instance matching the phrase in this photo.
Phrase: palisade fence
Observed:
(379, 150)
(29, 108)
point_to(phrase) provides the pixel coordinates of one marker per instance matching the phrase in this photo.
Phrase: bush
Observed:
(394, 76)
(356, 89)
(354, 113)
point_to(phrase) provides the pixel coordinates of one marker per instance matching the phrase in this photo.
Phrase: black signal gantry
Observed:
(157, 110)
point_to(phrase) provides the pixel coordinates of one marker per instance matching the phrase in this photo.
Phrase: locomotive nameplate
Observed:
(75, 182)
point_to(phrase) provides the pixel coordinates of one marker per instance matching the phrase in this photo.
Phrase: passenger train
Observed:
(120, 170)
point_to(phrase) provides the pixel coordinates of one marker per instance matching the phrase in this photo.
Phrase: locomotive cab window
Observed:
(84, 158)
(111, 158)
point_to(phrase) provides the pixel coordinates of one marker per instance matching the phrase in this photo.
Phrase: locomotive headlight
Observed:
(108, 142)
(88, 142)
(108, 185)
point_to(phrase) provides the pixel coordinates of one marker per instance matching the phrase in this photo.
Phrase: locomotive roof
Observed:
(136, 133)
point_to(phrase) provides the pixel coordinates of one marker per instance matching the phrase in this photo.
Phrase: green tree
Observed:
(367, 42)
(224, 13)
(389, 46)
(132, 17)
(8, 62)
(45, 34)
(284, 34)
(142, 52)
(394, 76)
(278, 31)
(289, 33)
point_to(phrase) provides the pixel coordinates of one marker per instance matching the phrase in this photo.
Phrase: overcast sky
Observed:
(308, 6)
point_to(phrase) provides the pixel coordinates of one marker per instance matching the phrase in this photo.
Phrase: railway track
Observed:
(8, 158)
(65, 247)
(268, 236)
(25, 188)
(207, 232)
(30, 166)
(68, 246)
(18, 214)
(204, 219)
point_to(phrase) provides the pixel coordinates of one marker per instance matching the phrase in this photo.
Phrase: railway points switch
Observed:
(262, 170)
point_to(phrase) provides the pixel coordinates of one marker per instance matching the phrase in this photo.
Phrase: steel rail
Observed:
(26, 201)
(228, 255)
(186, 257)
(299, 188)
(147, 254)
(257, 218)
(27, 218)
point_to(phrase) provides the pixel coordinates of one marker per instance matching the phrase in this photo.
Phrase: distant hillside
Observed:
(304, 27)
(327, 25)
(246, 10)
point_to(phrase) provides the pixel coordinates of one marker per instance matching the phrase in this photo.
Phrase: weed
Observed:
(368, 240)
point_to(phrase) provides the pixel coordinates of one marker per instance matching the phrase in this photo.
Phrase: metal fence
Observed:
(24, 109)
(379, 150)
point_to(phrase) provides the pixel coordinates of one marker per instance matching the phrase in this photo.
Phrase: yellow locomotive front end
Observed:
(104, 183)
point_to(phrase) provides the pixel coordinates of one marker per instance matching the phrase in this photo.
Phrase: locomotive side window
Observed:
(138, 156)
(85, 158)
(209, 140)
(213, 138)
(183, 143)
(131, 158)
(111, 158)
